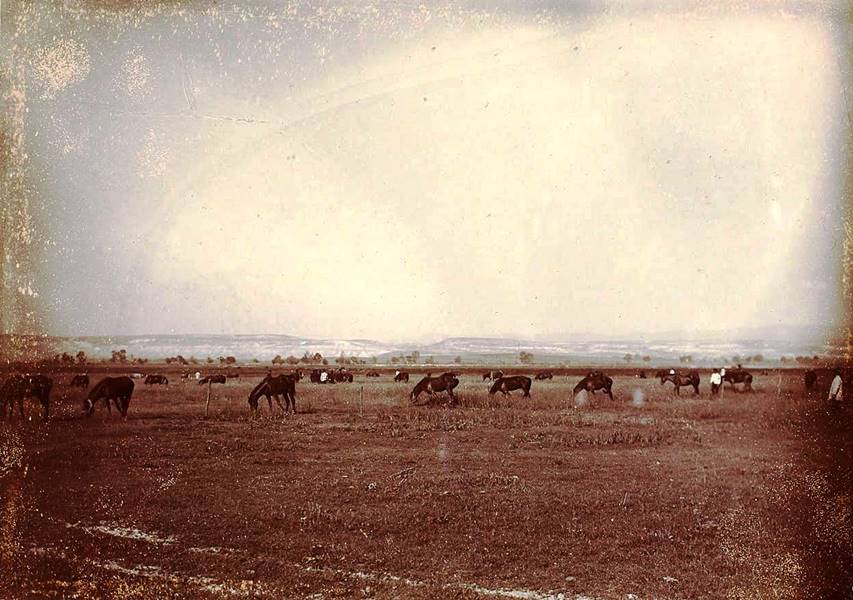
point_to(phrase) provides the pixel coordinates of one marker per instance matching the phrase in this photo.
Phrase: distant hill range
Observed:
(768, 343)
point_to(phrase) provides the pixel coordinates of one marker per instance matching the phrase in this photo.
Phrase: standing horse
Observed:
(431, 385)
(544, 375)
(156, 380)
(595, 380)
(735, 376)
(217, 378)
(273, 387)
(117, 389)
(20, 387)
(680, 380)
(508, 384)
(402, 376)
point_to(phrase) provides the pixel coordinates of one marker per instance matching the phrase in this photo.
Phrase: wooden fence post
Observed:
(207, 405)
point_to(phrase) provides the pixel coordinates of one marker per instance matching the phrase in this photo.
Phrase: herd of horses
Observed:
(118, 390)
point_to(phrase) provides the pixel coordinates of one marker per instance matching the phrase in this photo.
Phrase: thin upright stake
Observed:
(207, 405)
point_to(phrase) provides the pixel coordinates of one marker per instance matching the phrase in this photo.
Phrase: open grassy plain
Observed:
(361, 494)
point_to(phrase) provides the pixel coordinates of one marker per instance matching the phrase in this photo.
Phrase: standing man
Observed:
(835, 389)
(716, 382)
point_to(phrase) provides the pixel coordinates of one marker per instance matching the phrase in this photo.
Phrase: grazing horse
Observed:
(735, 376)
(492, 375)
(273, 387)
(402, 376)
(81, 380)
(595, 380)
(680, 380)
(341, 376)
(431, 385)
(217, 378)
(21, 387)
(544, 375)
(372, 374)
(117, 389)
(508, 384)
(156, 380)
(810, 379)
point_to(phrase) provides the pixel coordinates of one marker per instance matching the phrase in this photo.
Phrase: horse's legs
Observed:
(269, 401)
(293, 401)
(278, 400)
(109, 408)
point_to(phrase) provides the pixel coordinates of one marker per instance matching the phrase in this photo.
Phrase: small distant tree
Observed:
(758, 358)
(686, 358)
(628, 357)
(647, 358)
(394, 360)
(230, 360)
(278, 360)
(81, 358)
(525, 358)
(416, 356)
(221, 360)
(325, 362)
(458, 360)
(193, 360)
(292, 360)
(254, 360)
(209, 360)
(429, 360)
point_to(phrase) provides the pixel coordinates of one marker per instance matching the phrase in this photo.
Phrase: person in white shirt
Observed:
(835, 388)
(716, 382)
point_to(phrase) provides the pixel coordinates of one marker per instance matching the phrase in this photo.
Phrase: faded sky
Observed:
(392, 171)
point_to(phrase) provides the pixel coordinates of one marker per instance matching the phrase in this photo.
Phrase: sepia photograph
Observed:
(383, 299)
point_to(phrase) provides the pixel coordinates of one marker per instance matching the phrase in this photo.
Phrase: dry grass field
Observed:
(361, 494)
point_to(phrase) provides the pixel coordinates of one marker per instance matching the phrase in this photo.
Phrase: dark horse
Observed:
(372, 374)
(117, 389)
(810, 379)
(544, 375)
(402, 376)
(19, 387)
(156, 380)
(595, 380)
(491, 375)
(218, 378)
(341, 376)
(734, 376)
(508, 384)
(680, 380)
(81, 380)
(273, 387)
(431, 385)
